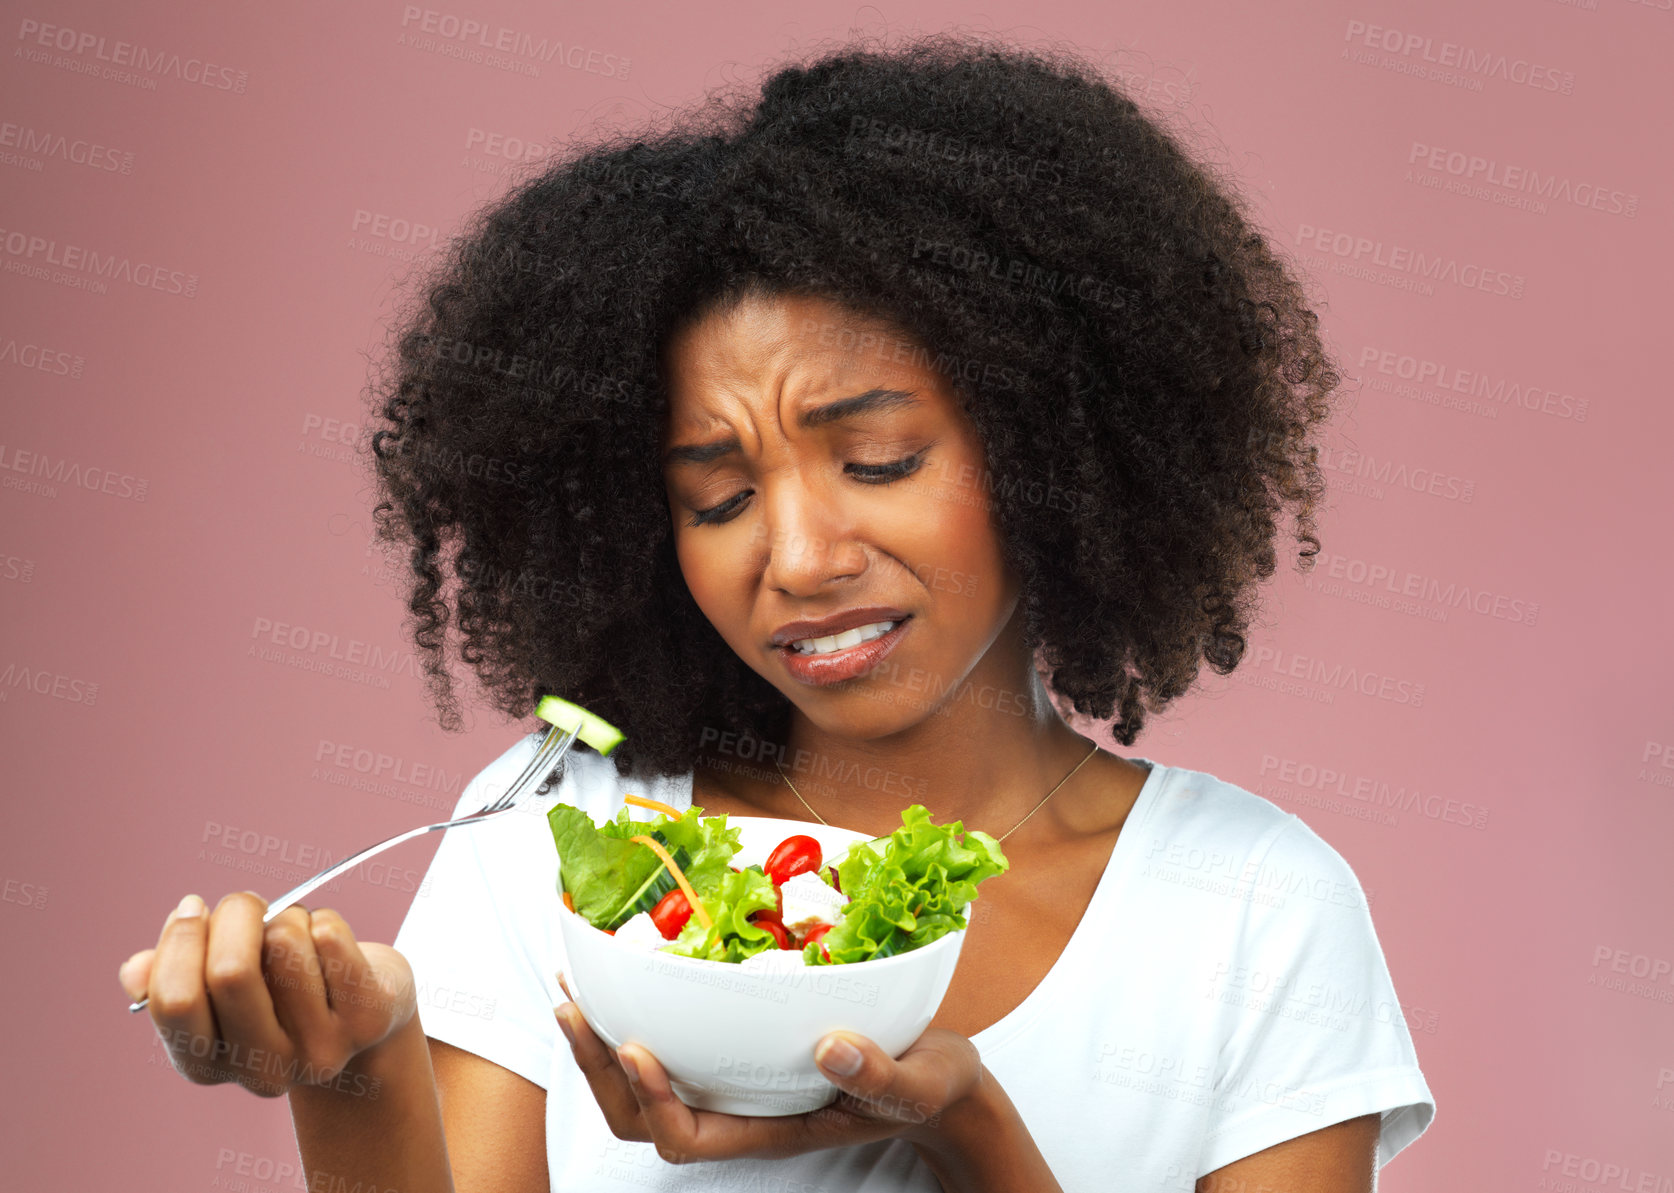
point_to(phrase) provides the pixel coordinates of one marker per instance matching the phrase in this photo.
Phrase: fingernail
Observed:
(839, 1056)
(564, 1023)
(629, 1066)
(190, 906)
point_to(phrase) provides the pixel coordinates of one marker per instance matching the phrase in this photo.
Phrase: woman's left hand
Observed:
(911, 1097)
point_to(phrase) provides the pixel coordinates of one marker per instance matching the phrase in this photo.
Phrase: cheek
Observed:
(706, 572)
(959, 556)
(694, 566)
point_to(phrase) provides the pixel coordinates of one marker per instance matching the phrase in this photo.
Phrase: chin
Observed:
(863, 711)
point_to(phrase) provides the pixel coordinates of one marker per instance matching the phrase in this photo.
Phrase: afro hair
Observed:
(1144, 371)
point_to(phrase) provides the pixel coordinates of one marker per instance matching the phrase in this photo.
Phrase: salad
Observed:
(670, 884)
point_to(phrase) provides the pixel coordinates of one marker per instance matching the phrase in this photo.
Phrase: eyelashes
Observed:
(866, 474)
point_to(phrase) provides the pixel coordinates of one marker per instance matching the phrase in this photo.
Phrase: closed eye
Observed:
(866, 474)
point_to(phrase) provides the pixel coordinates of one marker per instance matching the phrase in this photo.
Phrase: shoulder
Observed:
(1210, 810)
(1201, 823)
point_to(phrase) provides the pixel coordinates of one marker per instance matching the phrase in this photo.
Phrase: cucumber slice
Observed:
(651, 891)
(895, 942)
(595, 731)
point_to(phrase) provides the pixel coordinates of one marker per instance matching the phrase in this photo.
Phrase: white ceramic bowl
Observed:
(742, 1041)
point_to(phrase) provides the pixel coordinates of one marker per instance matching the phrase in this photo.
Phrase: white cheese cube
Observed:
(810, 900)
(641, 933)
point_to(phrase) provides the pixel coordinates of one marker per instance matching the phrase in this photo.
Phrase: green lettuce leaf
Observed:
(706, 839)
(729, 902)
(907, 889)
(602, 869)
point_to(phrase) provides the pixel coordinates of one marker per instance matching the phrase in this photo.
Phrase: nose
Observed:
(809, 539)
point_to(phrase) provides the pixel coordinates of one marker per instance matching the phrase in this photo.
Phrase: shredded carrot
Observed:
(639, 801)
(569, 902)
(691, 895)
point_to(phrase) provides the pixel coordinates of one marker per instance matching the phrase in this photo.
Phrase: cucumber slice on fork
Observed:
(594, 730)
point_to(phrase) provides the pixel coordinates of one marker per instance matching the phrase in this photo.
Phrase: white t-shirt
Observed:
(1224, 992)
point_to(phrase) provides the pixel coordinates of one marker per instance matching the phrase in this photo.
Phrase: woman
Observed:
(949, 344)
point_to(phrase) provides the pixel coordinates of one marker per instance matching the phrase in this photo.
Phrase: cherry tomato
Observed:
(777, 931)
(794, 855)
(671, 913)
(814, 934)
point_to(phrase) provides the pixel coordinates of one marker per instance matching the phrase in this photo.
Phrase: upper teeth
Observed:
(844, 640)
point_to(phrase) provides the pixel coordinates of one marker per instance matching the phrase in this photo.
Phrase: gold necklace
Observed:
(1007, 833)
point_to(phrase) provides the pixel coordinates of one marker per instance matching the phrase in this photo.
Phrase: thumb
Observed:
(940, 1068)
(872, 1083)
(852, 1062)
(135, 974)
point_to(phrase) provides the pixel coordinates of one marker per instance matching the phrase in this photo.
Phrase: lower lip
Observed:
(852, 661)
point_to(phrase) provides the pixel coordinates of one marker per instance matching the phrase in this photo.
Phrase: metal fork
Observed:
(550, 753)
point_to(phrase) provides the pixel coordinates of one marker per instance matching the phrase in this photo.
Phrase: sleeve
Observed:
(1314, 1033)
(480, 935)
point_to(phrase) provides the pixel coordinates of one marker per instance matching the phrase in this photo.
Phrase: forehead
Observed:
(787, 347)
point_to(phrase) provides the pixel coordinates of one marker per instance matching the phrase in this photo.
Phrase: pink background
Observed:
(1522, 899)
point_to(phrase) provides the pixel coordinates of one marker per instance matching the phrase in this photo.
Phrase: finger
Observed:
(236, 980)
(362, 1002)
(604, 1074)
(179, 1004)
(135, 973)
(939, 1069)
(672, 1125)
(292, 971)
(683, 1134)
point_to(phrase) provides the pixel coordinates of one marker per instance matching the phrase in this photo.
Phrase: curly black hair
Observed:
(1142, 366)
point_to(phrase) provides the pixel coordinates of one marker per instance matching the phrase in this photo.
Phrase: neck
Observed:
(985, 753)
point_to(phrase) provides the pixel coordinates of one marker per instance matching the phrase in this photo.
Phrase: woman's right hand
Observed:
(269, 1006)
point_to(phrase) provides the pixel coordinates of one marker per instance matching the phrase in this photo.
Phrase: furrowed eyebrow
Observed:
(873, 401)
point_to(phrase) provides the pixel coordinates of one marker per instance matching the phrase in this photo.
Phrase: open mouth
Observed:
(838, 657)
(835, 642)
